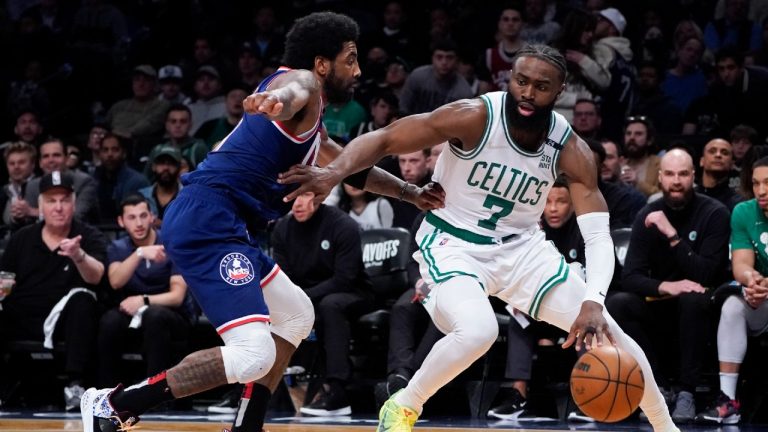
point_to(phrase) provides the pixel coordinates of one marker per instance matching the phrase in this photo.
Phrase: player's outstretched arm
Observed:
(379, 181)
(578, 164)
(287, 94)
(463, 120)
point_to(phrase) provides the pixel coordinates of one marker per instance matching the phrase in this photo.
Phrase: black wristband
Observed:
(358, 179)
(146, 300)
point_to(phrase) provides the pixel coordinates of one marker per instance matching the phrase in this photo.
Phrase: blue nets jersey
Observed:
(248, 160)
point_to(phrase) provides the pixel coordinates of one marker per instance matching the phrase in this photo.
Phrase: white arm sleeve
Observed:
(598, 249)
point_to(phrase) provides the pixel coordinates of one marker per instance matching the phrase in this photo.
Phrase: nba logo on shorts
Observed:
(236, 269)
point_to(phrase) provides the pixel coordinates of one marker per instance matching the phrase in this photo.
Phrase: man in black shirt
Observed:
(319, 249)
(57, 264)
(716, 163)
(678, 249)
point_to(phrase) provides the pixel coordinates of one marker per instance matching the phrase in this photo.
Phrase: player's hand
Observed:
(590, 326)
(429, 197)
(317, 180)
(263, 103)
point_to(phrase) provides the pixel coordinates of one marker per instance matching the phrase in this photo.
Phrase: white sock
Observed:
(728, 383)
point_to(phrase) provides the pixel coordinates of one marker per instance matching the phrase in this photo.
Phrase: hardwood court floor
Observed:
(197, 422)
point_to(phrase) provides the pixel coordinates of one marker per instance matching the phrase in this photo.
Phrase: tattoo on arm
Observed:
(198, 372)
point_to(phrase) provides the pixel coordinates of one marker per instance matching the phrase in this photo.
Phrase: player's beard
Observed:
(336, 91)
(534, 122)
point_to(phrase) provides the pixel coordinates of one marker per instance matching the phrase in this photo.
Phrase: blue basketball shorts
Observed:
(207, 240)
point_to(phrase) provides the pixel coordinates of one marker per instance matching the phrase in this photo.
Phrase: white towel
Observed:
(136, 320)
(53, 317)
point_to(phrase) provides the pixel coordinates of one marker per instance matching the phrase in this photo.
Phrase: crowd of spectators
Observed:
(109, 102)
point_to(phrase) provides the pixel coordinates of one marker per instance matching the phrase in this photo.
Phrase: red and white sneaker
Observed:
(99, 416)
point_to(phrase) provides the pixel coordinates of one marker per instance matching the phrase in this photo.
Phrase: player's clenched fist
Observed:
(263, 103)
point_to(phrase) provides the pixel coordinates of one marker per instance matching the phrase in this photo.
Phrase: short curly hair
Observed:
(319, 34)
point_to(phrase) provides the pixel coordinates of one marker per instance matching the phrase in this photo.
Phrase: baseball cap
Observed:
(615, 17)
(249, 48)
(170, 72)
(208, 70)
(145, 69)
(170, 151)
(57, 179)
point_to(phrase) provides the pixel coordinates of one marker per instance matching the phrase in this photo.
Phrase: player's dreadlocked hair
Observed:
(546, 53)
(319, 34)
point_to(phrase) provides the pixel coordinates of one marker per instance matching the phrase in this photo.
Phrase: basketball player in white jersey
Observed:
(505, 151)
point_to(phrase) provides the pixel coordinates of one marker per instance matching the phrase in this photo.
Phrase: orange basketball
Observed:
(607, 384)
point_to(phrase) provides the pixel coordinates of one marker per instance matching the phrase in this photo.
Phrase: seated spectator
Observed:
(652, 102)
(216, 130)
(641, 167)
(434, 85)
(116, 180)
(735, 28)
(249, 66)
(319, 249)
(74, 158)
(716, 163)
(623, 200)
(397, 74)
(586, 118)
(171, 79)
(369, 210)
(178, 123)
(736, 97)
(52, 159)
(58, 263)
(383, 109)
(414, 170)
(744, 314)
(152, 294)
(92, 160)
(743, 137)
(467, 70)
(20, 160)
(496, 63)
(208, 103)
(141, 116)
(26, 129)
(677, 251)
(340, 117)
(538, 27)
(166, 169)
(686, 82)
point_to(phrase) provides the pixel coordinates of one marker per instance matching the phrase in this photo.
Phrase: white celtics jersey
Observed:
(497, 189)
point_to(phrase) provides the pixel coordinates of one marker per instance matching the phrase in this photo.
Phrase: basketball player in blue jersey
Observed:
(505, 151)
(259, 313)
